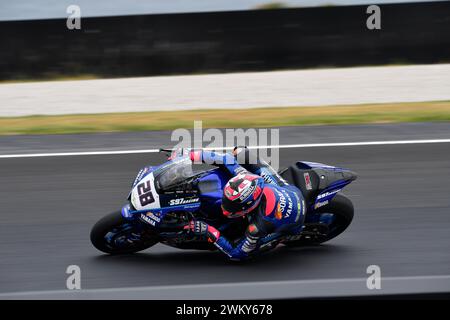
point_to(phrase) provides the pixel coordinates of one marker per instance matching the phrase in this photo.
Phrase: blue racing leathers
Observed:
(281, 210)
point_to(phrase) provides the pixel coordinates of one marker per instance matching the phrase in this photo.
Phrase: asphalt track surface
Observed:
(49, 204)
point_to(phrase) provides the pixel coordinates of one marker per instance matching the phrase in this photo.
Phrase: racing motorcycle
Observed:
(163, 199)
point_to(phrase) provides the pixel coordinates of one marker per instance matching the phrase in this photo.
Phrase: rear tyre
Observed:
(114, 235)
(342, 209)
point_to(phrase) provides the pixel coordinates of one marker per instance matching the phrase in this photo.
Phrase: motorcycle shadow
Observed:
(195, 258)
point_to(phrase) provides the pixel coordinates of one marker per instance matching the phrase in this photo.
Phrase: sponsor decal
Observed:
(180, 201)
(143, 171)
(320, 204)
(285, 203)
(267, 178)
(148, 220)
(140, 175)
(307, 181)
(246, 192)
(153, 216)
(326, 194)
(270, 177)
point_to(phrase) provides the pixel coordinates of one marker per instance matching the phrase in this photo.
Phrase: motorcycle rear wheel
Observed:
(342, 209)
(114, 235)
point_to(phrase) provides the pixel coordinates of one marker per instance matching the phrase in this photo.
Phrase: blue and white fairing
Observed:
(151, 206)
(333, 188)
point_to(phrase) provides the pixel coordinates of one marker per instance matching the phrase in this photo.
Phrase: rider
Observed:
(273, 207)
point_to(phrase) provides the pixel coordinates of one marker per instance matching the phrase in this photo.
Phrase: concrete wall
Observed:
(225, 41)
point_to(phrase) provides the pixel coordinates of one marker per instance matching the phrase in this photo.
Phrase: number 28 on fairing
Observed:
(143, 195)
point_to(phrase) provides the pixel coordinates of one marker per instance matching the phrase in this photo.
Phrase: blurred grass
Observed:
(26, 79)
(271, 6)
(242, 118)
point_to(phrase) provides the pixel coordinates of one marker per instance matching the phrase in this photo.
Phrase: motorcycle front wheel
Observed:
(114, 235)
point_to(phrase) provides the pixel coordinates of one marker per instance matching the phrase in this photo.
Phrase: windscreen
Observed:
(174, 173)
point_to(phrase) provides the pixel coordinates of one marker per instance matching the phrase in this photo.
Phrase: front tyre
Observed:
(114, 235)
(341, 208)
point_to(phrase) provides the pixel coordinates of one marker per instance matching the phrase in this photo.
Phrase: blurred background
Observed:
(80, 108)
(141, 38)
(191, 55)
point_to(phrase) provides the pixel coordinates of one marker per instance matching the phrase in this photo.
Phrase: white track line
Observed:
(68, 154)
(286, 146)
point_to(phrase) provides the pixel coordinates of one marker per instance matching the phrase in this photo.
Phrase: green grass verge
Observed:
(242, 118)
(26, 79)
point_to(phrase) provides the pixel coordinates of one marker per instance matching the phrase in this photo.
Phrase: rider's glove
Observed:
(202, 229)
(237, 150)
